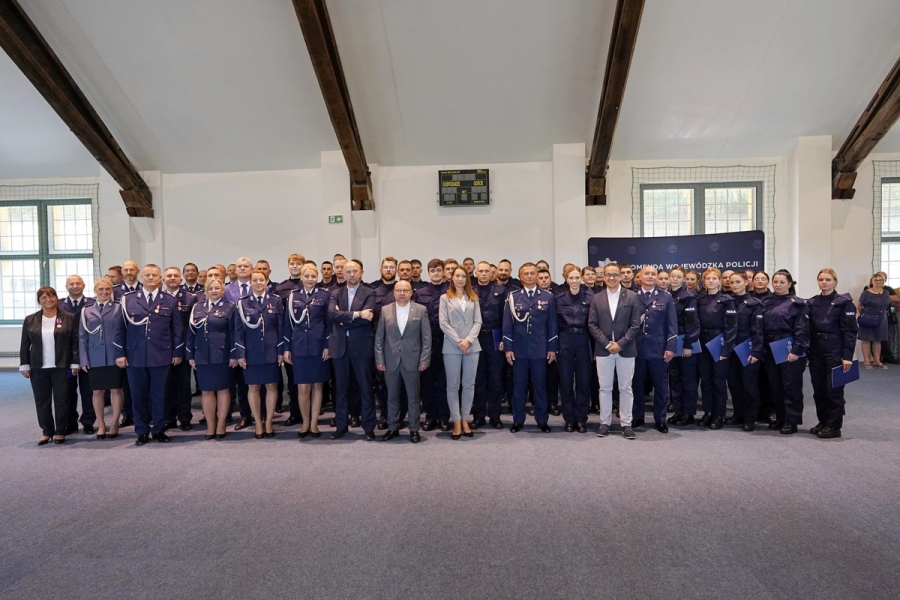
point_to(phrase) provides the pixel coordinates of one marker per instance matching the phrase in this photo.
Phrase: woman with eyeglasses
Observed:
(874, 304)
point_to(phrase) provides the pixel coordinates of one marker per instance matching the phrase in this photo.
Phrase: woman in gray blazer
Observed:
(460, 320)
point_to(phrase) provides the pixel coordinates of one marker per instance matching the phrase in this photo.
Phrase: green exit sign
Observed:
(334, 219)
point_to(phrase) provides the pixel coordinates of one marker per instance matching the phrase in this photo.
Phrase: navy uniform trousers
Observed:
(574, 364)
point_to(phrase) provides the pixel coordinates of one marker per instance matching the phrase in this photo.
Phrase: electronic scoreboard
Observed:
(464, 188)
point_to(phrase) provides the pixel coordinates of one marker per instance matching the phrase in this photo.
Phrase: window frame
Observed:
(44, 255)
(882, 240)
(699, 189)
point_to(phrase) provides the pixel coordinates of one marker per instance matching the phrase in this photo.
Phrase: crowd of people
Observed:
(457, 343)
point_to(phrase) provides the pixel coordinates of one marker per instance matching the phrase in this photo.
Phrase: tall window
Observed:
(890, 229)
(42, 242)
(695, 208)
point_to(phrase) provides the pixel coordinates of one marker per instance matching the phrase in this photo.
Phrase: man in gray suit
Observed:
(402, 351)
(614, 322)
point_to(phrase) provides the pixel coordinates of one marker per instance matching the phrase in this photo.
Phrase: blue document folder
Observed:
(715, 346)
(743, 351)
(498, 337)
(839, 378)
(781, 349)
(679, 346)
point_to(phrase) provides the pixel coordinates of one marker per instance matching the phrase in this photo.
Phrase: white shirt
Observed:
(241, 288)
(147, 294)
(531, 292)
(48, 326)
(351, 293)
(402, 316)
(613, 298)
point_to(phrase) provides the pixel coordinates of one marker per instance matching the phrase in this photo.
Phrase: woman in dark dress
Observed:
(48, 353)
(261, 319)
(306, 328)
(97, 327)
(210, 347)
(874, 304)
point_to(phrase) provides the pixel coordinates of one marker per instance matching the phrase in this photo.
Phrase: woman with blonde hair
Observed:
(874, 304)
(97, 324)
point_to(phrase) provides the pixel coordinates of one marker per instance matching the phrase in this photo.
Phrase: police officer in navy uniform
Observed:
(530, 341)
(178, 386)
(743, 381)
(351, 346)
(683, 368)
(283, 290)
(545, 282)
(833, 330)
(656, 342)
(785, 316)
(74, 304)
(717, 317)
(129, 283)
(573, 306)
(489, 376)
(190, 272)
(434, 379)
(150, 341)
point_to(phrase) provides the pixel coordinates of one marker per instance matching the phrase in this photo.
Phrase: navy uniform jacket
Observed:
(69, 306)
(348, 335)
(331, 285)
(512, 284)
(492, 298)
(307, 334)
(262, 343)
(214, 335)
(573, 311)
(96, 332)
(659, 324)
(686, 309)
(786, 316)
(536, 334)
(150, 335)
(416, 285)
(384, 295)
(429, 296)
(832, 322)
(284, 289)
(718, 315)
(764, 296)
(122, 289)
(192, 289)
(186, 301)
(750, 323)
(233, 291)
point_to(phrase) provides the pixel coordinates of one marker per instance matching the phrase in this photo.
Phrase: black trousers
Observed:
(713, 375)
(51, 391)
(574, 365)
(551, 380)
(786, 389)
(488, 400)
(178, 394)
(830, 404)
(79, 386)
(434, 387)
(743, 382)
(683, 384)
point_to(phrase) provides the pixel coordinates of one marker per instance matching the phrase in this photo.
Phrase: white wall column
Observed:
(569, 215)
(809, 229)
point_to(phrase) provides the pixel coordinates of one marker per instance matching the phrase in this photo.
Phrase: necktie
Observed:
(100, 307)
(530, 294)
(150, 298)
(130, 288)
(243, 290)
(259, 299)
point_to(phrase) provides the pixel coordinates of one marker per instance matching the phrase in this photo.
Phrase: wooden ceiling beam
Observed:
(319, 36)
(880, 115)
(618, 62)
(30, 52)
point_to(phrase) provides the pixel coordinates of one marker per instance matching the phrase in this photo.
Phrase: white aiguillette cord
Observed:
(143, 321)
(303, 315)
(512, 309)
(196, 324)
(261, 323)
(84, 324)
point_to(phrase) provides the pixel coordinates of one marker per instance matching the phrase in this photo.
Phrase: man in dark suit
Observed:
(614, 322)
(351, 345)
(73, 304)
(402, 350)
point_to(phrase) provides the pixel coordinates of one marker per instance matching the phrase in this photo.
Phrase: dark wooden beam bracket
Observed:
(618, 61)
(30, 52)
(319, 36)
(880, 115)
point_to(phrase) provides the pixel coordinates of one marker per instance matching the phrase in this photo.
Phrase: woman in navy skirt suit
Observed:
(306, 328)
(261, 317)
(211, 350)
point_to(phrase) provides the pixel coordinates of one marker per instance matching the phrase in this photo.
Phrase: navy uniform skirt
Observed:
(106, 378)
(310, 369)
(262, 374)
(212, 378)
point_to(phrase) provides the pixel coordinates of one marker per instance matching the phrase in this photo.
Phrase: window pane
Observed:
(60, 269)
(730, 209)
(890, 209)
(19, 281)
(19, 229)
(668, 212)
(890, 262)
(71, 229)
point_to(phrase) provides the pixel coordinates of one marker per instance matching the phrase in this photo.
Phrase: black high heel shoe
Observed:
(101, 436)
(210, 436)
(220, 436)
(270, 434)
(43, 442)
(302, 434)
(59, 440)
(315, 434)
(112, 436)
(259, 436)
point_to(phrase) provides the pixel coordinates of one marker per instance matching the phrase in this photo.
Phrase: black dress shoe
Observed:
(72, 429)
(819, 427)
(338, 434)
(788, 429)
(445, 425)
(716, 423)
(162, 438)
(170, 425)
(685, 420)
(414, 437)
(127, 422)
(705, 420)
(186, 426)
(544, 427)
(580, 427)
(661, 427)
(279, 410)
(515, 428)
(827, 433)
(355, 422)
(673, 420)
(554, 410)
(291, 421)
(748, 426)
(142, 439)
(570, 427)
(43, 442)
(637, 423)
(369, 436)
(478, 423)
(496, 423)
(382, 424)
(89, 429)
(775, 424)
(389, 435)
(332, 423)
(428, 425)
(243, 424)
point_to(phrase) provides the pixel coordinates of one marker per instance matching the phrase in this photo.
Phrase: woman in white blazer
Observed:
(460, 320)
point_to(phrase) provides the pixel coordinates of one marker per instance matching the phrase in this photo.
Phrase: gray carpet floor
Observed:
(691, 514)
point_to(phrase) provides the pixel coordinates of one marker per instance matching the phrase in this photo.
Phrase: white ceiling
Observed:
(227, 85)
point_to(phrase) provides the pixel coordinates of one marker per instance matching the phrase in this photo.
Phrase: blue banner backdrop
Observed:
(740, 250)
